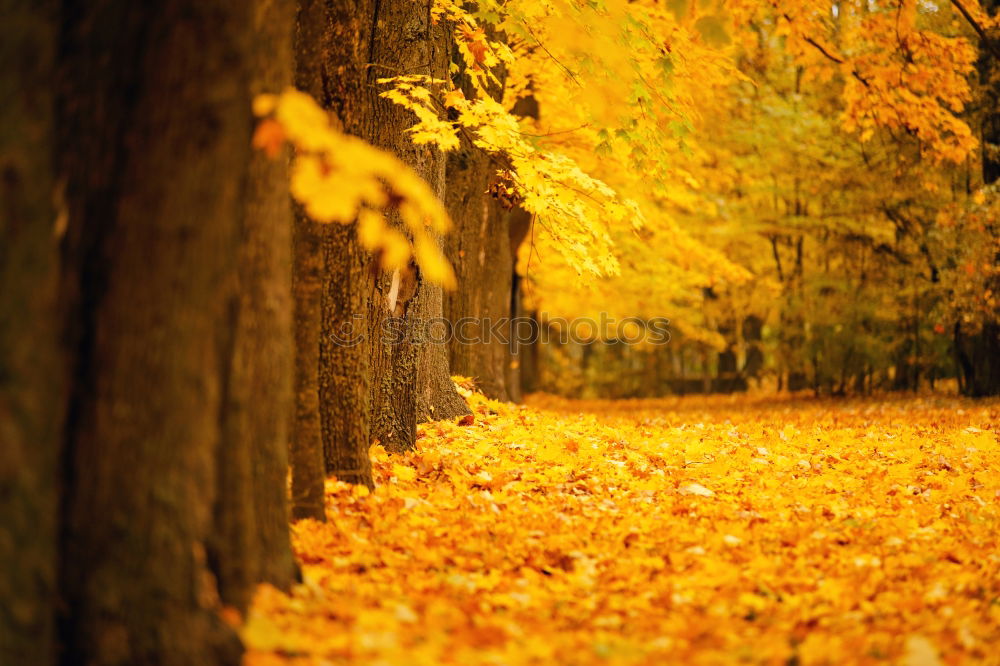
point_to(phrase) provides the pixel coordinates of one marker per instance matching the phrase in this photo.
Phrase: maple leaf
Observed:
(269, 137)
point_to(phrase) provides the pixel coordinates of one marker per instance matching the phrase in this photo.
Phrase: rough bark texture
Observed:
(339, 73)
(393, 362)
(479, 249)
(31, 374)
(370, 390)
(344, 380)
(436, 394)
(404, 40)
(330, 66)
(155, 114)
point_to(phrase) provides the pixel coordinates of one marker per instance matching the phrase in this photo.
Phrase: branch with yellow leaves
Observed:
(819, 47)
(987, 42)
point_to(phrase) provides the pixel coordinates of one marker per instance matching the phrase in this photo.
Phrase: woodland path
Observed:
(700, 530)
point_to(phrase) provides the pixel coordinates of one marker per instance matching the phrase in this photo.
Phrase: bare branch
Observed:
(829, 56)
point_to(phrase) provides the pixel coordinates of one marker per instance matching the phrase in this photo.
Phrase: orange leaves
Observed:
(711, 531)
(340, 178)
(900, 72)
(269, 137)
(475, 41)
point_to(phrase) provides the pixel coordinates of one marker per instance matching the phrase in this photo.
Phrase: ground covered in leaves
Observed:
(703, 530)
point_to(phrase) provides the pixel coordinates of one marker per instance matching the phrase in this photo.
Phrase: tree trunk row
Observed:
(371, 360)
(170, 329)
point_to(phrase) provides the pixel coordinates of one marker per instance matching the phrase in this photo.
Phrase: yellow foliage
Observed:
(579, 208)
(899, 72)
(340, 178)
(709, 531)
(618, 85)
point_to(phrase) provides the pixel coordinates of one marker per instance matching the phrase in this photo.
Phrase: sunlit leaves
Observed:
(341, 179)
(715, 531)
(900, 73)
(548, 184)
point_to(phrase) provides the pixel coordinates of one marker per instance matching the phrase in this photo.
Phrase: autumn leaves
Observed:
(639, 533)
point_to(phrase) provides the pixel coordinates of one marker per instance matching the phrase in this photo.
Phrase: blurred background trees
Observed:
(851, 169)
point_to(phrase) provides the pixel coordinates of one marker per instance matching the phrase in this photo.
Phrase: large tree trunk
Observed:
(372, 373)
(331, 66)
(479, 249)
(336, 77)
(155, 128)
(410, 374)
(344, 379)
(436, 395)
(251, 541)
(31, 371)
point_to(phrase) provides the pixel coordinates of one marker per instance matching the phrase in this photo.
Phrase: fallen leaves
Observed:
(711, 531)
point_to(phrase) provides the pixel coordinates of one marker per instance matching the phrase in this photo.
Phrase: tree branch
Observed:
(840, 61)
(987, 42)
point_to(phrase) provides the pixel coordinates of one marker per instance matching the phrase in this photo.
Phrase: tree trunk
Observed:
(525, 330)
(479, 249)
(306, 449)
(251, 541)
(979, 360)
(394, 362)
(32, 377)
(979, 354)
(264, 361)
(331, 67)
(403, 39)
(155, 115)
(436, 395)
(344, 379)
(483, 250)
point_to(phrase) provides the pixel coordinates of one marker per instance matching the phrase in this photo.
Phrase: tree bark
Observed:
(410, 375)
(525, 330)
(155, 114)
(267, 273)
(436, 395)
(344, 378)
(479, 249)
(251, 541)
(306, 449)
(32, 377)
(331, 66)
(483, 250)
